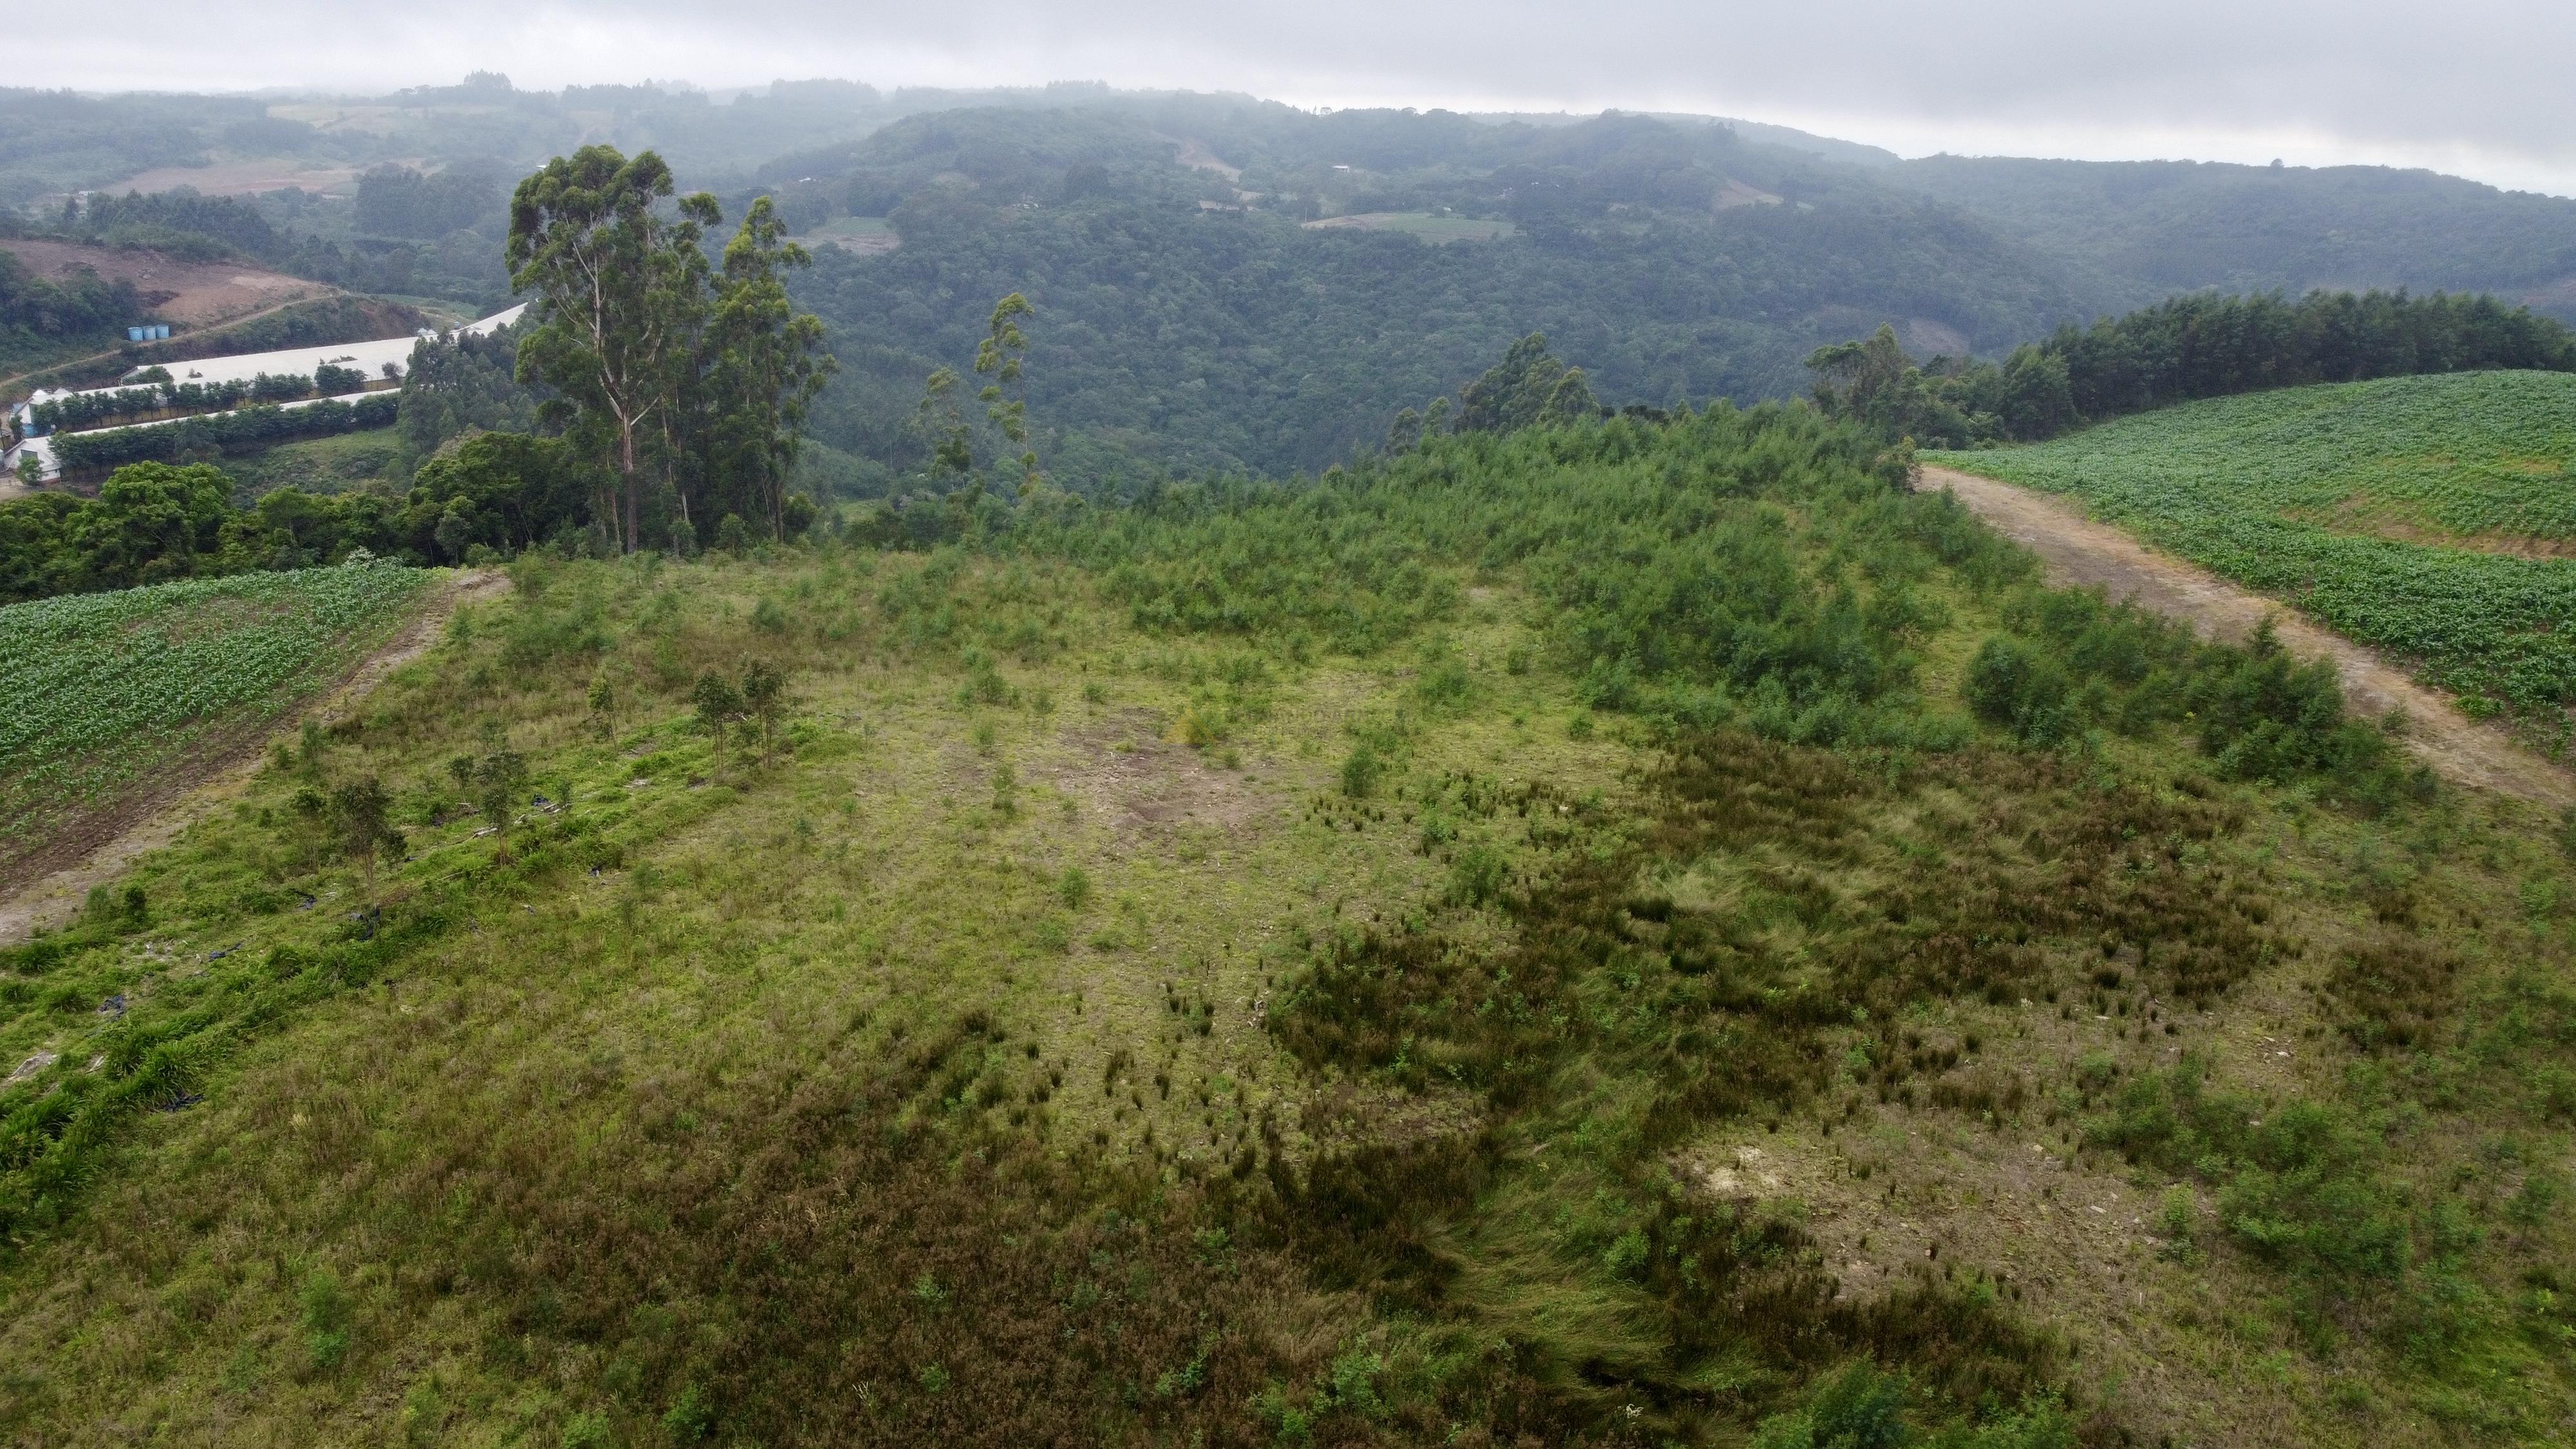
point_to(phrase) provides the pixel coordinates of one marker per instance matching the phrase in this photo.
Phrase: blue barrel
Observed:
(135, 334)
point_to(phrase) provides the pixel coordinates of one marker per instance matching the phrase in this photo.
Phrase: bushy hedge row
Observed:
(84, 409)
(257, 426)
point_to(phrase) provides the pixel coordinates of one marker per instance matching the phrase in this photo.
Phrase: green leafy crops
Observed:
(102, 687)
(2395, 511)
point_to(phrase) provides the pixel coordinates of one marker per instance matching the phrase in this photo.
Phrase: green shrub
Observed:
(1856, 1408)
(691, 1417)
(2015, 686)
(326, 1319)
(1361, 771)
(1479, 875)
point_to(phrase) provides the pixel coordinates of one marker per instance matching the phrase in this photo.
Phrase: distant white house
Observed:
(384, 358)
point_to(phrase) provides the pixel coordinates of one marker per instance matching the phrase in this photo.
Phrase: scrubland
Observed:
(1642, 933)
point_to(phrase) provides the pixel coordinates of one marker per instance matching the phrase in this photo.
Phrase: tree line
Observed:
(262, 424)
(2196, 346)
(489, 495)
(160, 394)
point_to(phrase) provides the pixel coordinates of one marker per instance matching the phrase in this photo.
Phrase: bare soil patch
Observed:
(1737, 193)
(195, 294)
(2081, 551)
(46, 885)
(1195, 155)
(2370, 518)
(1127, 772)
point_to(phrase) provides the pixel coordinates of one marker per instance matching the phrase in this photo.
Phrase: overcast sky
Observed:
(2476, 87)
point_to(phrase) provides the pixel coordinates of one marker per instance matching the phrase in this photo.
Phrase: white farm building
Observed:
(382, 362)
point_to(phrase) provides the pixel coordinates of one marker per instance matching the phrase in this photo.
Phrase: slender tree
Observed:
(765, 363)
(952, 451)
(500, 779)
(1005, 398)
(718, 705)
(360, 814)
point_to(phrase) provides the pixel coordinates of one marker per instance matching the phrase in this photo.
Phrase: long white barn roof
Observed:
(367, 357)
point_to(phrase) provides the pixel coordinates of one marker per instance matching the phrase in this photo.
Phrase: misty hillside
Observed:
(2147, 228)
(1230, 284)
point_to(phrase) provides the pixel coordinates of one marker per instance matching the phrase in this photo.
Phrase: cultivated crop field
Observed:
(103, 689)
(2429, 516)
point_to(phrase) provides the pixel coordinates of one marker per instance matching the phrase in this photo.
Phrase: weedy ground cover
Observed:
(103, 689)
(2425, 515)
(1473, 968)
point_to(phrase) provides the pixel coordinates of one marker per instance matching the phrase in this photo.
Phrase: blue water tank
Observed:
(135, 334)
(162, 330)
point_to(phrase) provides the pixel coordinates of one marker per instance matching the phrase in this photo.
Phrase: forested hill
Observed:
(2139, 231)
(1191, 317)
(1227, 283)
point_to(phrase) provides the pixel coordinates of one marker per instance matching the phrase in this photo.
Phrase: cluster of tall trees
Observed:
(2195, 346)
(653, 392)
(690, 379)
(1530, 387)
(36, 307)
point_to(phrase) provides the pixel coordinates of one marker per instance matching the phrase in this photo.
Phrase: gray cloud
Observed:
(2476, 86)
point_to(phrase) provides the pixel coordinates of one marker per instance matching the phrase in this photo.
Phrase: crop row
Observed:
(103, 686)
(2366, 504)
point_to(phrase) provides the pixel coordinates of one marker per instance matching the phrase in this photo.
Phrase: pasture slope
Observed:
(1565, 938)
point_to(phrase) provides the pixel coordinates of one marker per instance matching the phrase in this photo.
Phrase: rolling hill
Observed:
(1635, 933)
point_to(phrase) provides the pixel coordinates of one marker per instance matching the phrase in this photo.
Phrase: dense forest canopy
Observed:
(2142, 229)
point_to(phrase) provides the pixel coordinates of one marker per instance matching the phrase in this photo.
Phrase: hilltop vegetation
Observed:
(2420, 514)
(2184, 348)
(1621, 933)
(109, 690)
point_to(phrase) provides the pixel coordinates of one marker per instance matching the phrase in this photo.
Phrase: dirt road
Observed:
(2080, 551)
(102, 846)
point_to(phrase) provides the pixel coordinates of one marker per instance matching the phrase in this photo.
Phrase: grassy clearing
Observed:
(1251, 986)
(107, 688)
(2400, 512)
(318, 465)
(865, 235)
(1426, 225)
